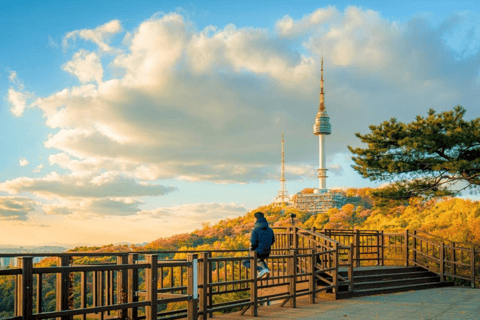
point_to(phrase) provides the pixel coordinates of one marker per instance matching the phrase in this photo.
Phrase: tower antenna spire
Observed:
(282, 199)
(322, 93)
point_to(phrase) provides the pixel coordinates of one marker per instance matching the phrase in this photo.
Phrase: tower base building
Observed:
(319, 201)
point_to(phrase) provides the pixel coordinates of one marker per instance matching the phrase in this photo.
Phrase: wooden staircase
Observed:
(381, 280)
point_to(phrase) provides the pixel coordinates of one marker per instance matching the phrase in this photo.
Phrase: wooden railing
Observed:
(147, 285)
(142, 286)
(330, 255)
(367, 245)
(447, 258)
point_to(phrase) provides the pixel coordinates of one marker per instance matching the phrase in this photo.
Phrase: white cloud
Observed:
(23, 162)
(288, 27)
(86, 66)
(336, 169)
(155, 48)
(192, 215)
(13, 77)
(247, 49)
(99, 35)
(55, 185)
(18, 101)
(87, 208)
(210, 104)
(15, 208)
(38, 168)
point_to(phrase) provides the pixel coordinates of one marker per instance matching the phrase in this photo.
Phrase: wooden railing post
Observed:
(132, 286)
(406, 248)
(203, 281)
(253, 285)
(381, 249)
(292, 272)
(350, 268)
(192, 286)
(442, 262)
(63, 294)
(472, 266)
(295, 237)
(312, 283)
(454, 259)
(122, 285)
(209, 290)
(356, 241)
(335, 271)
(151, 278)
(25, 292)
(414, 245)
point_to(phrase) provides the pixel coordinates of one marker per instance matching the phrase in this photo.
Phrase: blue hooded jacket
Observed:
(262, 238)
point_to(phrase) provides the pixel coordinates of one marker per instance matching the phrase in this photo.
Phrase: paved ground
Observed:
(443, 303)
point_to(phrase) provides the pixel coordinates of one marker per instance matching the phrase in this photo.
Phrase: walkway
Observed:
(443, 303)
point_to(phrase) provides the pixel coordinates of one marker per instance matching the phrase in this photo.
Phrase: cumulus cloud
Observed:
(86, 66)
(16, 208)
(196, 212)
(247, 49)
(210, 104)
(13, 77)
(23, 162)
(99, 35)
(107, 185)
(89, 207)
(336, 169)
(38, 168)
(288, 27)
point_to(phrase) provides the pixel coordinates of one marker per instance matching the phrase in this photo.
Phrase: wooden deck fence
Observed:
(142, 285)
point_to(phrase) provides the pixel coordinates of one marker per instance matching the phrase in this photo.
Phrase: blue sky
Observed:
(130, 121)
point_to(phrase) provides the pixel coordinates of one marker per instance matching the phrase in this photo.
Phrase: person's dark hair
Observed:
(258, 215)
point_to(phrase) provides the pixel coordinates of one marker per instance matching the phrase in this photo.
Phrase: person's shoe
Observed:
(267, 274)
(263, 273)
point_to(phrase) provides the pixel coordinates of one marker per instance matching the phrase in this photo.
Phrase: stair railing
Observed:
(367, 244)
(444, 257)
(330, 256)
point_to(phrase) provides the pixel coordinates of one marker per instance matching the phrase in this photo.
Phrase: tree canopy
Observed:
(436, 155)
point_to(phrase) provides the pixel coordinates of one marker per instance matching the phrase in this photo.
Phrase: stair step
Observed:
(381, 270)
(367, 292)
(394, 283)
(392, 276)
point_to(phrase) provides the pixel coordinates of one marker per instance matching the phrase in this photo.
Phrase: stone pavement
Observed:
(448, 303)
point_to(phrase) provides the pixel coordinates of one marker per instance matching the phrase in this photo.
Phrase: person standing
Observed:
(261, 241)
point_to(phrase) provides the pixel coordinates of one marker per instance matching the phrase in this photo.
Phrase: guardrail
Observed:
(148, 285)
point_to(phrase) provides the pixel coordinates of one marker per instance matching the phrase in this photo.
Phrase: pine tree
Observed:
(437, 155)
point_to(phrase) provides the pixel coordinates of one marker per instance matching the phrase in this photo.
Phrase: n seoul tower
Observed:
(321, 128)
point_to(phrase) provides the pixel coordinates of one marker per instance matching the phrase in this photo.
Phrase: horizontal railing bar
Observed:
(219, 259)
(457, 276)
(89, 268)
(75, 312)
(458, 263)
(211, 284)
(236, 305)
(10, 272)
(323, 288)
(229, 291)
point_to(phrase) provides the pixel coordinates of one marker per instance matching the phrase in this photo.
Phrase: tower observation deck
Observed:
(321, 128)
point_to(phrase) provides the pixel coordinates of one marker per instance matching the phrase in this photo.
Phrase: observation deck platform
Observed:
(447, 303)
